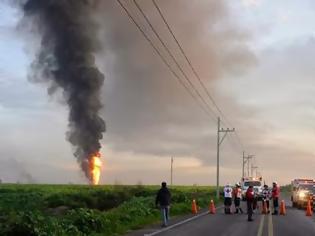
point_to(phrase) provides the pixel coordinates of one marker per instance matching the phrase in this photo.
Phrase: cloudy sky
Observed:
(254, 56)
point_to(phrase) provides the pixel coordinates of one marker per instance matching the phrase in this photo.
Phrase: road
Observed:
(294, 223)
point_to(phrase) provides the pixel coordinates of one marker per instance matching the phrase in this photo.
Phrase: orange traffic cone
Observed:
(282, 208)
(309, 209)
(194, 208)
(264, 207)
(211, 207)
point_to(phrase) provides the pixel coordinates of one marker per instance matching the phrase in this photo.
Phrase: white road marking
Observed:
(179, 223)
(270, 226)
(261, 225)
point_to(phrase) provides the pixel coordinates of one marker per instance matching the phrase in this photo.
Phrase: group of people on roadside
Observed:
(163, 200)
(251, 199)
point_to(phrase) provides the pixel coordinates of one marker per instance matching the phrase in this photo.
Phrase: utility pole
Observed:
(252, 170)
(219, 142)
(249, 157)
(172, 160)
(246, 160)
(243, 166)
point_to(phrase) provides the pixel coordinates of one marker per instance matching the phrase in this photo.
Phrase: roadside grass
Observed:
(88, 210)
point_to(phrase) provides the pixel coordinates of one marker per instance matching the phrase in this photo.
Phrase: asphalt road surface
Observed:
(294, 223)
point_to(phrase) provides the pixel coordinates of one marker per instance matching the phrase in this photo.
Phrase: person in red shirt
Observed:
(237, 194)
(275, 197)
(250, 196)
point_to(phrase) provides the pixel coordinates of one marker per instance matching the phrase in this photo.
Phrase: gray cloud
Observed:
(149, 114)
(147, 110)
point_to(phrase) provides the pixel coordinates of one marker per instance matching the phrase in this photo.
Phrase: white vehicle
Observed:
(302, 191)
(255, 182)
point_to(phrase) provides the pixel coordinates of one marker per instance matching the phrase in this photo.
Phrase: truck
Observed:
(256, 182)
(303, 190)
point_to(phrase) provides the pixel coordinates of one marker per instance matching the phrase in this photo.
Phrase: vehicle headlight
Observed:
(302, 194)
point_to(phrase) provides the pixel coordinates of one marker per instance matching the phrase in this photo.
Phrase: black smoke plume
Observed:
(65, 61)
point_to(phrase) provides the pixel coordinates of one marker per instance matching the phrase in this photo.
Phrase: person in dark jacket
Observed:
(250, 196)
(163, 200)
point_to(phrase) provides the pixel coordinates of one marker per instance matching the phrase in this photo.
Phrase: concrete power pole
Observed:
(249, 157)
(252, 170)
(172, 160)
(246, 160)
(243, 166)
(219, 142)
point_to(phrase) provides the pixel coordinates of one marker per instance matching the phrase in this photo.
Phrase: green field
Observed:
(88, 210)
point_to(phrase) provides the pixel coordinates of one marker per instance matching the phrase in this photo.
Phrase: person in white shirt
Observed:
(228, 192)
(266, 196)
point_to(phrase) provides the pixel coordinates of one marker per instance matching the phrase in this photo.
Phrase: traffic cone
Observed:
(264, 207)
(309, 209)
(282, 208)
(211, 207)
(194, 208)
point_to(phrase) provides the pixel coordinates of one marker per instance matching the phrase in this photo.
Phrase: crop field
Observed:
(88, 210)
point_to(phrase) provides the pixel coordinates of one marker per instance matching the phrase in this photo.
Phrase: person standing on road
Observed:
(237, 193)
(250, 195)
(228, 191)
(266, 194)
(163, 199)
(275, 197)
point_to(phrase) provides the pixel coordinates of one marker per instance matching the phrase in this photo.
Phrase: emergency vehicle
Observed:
(302, 191)
(252, 181)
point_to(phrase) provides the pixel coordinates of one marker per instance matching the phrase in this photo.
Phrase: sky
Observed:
(254, 56)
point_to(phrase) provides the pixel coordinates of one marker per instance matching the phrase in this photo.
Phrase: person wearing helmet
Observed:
(266, 194)
(237, 193)
(275, 197)
(250, 196)
(228, 191)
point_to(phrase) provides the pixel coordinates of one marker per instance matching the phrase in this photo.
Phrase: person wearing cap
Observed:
(237, 193)
(163, 199)
(250, 196)
(228, 191)
(275, 197)
(266, 194)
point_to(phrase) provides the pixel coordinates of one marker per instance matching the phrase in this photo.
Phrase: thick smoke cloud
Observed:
(65, 61)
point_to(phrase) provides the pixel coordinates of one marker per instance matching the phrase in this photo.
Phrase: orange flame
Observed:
(96, 165)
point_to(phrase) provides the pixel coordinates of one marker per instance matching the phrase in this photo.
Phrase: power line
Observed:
(180, 68)
(239, 140)
(163, 59)
(172, 56)
(194, 70)
(187, 59)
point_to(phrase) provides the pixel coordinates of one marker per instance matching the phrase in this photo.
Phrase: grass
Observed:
(88, 210)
